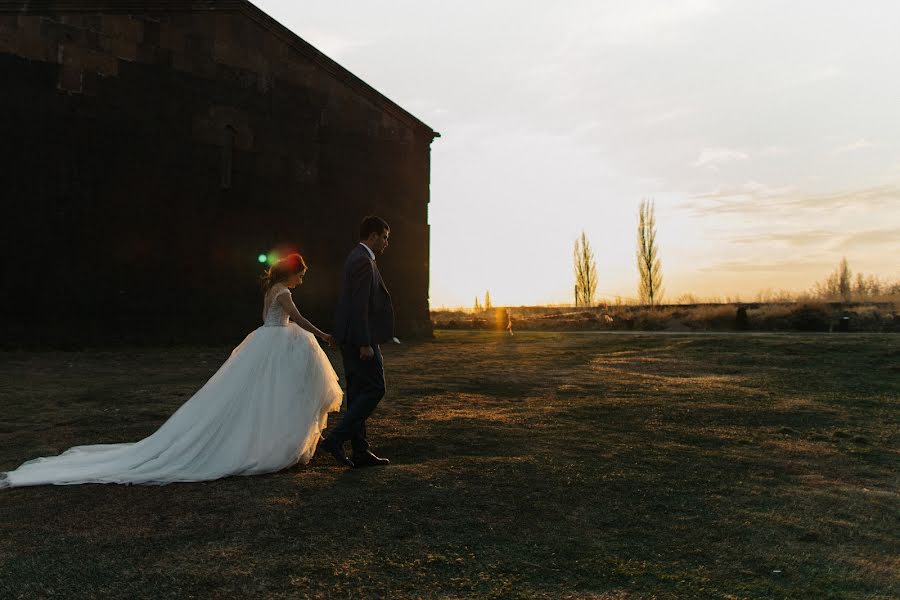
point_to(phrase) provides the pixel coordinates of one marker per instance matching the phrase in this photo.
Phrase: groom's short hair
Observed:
(372, 224)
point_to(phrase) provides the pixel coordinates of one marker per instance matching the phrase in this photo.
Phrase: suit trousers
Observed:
(365, 388)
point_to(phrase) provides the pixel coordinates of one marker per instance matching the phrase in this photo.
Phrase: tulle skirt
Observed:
(262, 411)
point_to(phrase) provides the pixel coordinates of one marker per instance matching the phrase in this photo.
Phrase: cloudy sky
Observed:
(767, 133)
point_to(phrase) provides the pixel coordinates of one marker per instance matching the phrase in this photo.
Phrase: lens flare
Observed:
(273, 256)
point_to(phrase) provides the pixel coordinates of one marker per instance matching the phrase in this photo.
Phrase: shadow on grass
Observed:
(543, 465)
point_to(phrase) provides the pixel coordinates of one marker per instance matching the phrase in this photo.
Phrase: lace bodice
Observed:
(275, 314)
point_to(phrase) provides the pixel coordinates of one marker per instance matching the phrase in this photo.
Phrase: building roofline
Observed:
(245, 7)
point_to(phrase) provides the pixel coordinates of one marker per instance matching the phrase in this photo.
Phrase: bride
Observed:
(262, 411)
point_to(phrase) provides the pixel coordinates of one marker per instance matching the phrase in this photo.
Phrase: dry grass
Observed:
(536, 466)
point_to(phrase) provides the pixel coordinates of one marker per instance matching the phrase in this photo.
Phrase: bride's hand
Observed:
(328, 339)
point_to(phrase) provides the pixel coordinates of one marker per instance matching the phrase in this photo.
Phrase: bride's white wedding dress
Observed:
(262, 411)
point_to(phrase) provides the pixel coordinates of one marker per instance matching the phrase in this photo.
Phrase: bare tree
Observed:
(873, 286)
(585, 272)
(860, 288)
(839, 285)
(866, 287)
(650, 289)
(830, 288)
(844, 280)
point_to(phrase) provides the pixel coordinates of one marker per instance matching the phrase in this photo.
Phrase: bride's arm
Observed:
(291, 309)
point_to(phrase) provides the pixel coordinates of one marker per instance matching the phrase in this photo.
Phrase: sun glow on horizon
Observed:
(744, 122)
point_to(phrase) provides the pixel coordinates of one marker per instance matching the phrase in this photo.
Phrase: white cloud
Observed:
(791, 266)
(774, 151)
(796, 238)
(860, 144)
(757, 198)
(826, 73)
(649, 22)
(713, 157)
(586, 106)
(872, 237)
(751, 196)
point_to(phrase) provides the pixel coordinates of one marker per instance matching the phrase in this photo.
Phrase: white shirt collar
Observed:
(369, 250)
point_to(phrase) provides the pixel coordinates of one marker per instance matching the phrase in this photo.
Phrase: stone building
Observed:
(152, 150)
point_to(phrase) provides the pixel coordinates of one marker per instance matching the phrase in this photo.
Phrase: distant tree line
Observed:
(841, 285)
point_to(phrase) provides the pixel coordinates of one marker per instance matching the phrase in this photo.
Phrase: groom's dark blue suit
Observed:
(364, 317)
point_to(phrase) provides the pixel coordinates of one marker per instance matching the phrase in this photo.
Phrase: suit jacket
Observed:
(364, 314)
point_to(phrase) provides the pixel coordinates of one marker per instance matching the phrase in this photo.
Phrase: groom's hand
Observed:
(366, 353)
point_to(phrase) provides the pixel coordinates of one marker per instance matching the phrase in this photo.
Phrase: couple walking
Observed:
(267, 406)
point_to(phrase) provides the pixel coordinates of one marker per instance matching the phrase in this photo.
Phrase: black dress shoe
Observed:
(336, 450)
(367, 459)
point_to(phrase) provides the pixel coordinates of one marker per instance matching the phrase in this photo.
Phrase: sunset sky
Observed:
(767, 132)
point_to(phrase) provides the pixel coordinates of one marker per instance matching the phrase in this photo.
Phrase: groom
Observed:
(364, 318)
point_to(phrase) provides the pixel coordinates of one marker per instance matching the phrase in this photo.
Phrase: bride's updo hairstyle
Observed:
(282, 269)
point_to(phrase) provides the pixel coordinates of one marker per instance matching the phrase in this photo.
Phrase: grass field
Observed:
(545, 465)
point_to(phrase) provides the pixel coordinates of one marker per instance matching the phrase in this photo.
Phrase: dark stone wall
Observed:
(149, 159)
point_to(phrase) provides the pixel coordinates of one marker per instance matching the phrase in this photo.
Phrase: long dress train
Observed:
(262, 411)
